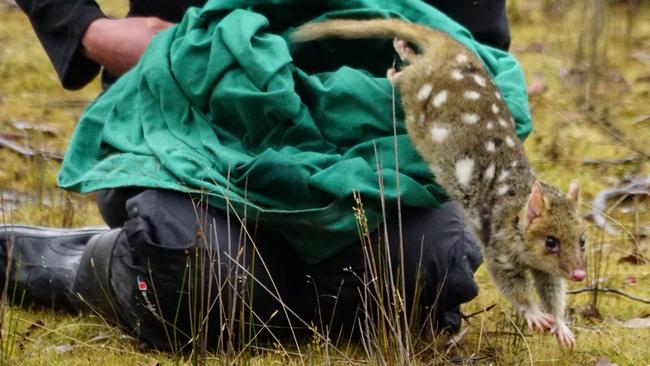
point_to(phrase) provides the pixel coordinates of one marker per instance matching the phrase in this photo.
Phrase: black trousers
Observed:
(179, 267)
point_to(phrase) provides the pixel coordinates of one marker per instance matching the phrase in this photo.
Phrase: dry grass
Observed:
(596, 108)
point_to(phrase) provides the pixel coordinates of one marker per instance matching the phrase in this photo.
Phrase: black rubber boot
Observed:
(42, 264)
(92, 286)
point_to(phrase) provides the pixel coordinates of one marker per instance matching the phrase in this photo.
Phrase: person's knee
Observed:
(440, 257)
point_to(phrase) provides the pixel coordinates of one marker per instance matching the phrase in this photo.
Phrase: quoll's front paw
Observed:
(563, 334)
(536, 319)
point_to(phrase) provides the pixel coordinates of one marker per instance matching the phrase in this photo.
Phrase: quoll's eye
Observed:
(582, 242)
(552, 244)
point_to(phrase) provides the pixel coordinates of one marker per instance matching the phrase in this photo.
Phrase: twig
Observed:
(43, 127)
(80, 103)
(26, 151)
(642, 118)
(607, 289)
(599, 205)
(467, 317)
(627, 160)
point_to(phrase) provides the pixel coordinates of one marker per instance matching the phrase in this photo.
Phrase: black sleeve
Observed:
(486, 19)
(60, 25)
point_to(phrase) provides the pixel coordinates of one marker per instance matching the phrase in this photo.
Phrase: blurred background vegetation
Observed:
(587, 65)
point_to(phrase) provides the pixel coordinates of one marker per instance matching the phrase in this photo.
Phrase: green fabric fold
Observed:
(222, 105)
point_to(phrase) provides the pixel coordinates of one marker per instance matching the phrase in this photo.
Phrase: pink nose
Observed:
(578, 275)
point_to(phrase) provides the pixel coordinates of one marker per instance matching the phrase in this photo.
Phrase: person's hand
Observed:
(117, 44)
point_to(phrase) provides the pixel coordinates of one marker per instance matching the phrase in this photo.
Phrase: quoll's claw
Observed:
(538, 320)
(564, 335)
(541, 322)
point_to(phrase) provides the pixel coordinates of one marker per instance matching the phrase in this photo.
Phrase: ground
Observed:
(589, 78)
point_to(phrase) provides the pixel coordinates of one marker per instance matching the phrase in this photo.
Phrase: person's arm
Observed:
(60, 25)
(79, 38)
(117, 44)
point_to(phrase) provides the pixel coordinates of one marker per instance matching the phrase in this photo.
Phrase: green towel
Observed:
(223, 105)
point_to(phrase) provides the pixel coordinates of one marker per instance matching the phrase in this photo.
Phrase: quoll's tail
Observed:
(424, 37)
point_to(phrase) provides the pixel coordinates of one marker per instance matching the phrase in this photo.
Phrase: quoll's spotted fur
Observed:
(461, 127)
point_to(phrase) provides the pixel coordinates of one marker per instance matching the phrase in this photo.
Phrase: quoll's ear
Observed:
(535, 207)
(574, 193)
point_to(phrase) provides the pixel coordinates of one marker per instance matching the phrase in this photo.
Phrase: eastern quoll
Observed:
(461, 127)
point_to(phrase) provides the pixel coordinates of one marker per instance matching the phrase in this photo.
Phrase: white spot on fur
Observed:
(461, 58)
(495, 108)
(510, 142)
(490, 124)
(479, 80)
(456, 74)
(504, 174)
(498, 95)
(425, 92)
(471, 94)
(489, 172)
(464, 168)
(514, 163)
(503, 123)
(505, 261)
(438, 134)
(440, 98)
(490, 146)
(470, 118)
(512, 120)
(503, 189)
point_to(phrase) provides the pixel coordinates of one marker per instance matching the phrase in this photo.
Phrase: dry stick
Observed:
(642, 118)
(598, 211)
(26, 151)
(389, 262)
(402, 291)
(608, 289)
(467, 317)
(628, 160)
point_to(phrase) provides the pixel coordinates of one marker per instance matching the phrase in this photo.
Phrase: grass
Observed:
(595, 109)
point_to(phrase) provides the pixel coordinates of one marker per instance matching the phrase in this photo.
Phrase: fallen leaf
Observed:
(641, 56)
(634, 258)
(532, 47)
(591, 313)
(61, 348)
(537, 86)
(630, 281)
(604, 361)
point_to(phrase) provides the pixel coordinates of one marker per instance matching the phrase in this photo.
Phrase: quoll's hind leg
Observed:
(405, 53)
(402, 48)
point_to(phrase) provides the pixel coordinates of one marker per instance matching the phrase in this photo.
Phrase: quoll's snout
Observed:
(578, 275)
